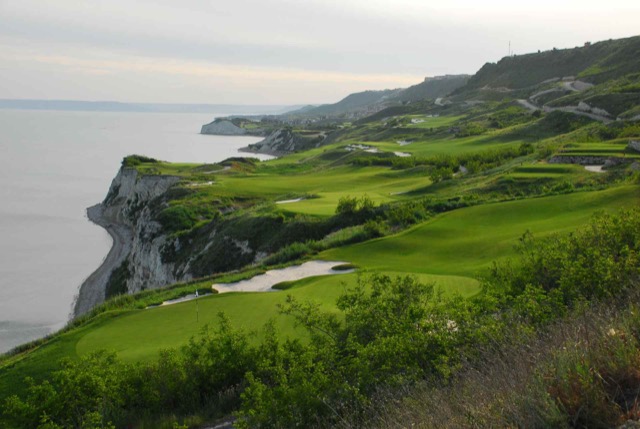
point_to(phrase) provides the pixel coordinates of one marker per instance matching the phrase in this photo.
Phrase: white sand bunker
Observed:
(594, 168)
(295, 200)
(179, 300)
(264, 282)
(402, 154)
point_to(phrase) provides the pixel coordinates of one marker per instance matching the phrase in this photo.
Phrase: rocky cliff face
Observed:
(222, 128)
(125, 214)
(284, 140)
(128, 203)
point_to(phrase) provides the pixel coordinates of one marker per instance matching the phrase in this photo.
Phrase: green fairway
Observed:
(542, 170)
(463, 241)
(449, 145)
(381, 184)
(433, 122)
(613, 148)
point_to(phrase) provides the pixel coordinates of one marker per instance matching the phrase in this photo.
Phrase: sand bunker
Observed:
(594, 168)
(183, 299)
(264, 282)
(295, 200)
(402, 154)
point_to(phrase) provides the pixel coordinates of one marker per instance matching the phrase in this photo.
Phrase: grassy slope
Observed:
(463, 241)
(449, 250)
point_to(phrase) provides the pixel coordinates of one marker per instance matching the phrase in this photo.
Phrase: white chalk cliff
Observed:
(125, 214)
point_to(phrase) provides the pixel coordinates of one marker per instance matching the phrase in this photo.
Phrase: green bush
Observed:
(595, 262)
(177, 218)
(289, 253)
(135, 160)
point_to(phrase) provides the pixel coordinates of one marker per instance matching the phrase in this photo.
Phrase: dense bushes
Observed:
(595, 262)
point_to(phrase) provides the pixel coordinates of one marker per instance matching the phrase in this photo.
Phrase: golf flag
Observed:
(197, 309)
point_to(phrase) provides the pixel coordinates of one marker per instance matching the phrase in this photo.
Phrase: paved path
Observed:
(528, 105)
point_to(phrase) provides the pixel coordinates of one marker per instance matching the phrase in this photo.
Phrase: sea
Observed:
(55, 164)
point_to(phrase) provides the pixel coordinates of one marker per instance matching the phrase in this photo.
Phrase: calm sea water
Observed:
(52, 166)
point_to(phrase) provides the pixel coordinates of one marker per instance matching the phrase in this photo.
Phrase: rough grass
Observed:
(583, 372)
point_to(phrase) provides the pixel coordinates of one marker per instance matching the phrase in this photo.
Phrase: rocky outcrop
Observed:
(125, 214)
(285, 140)
(634, 145)
(222, 128)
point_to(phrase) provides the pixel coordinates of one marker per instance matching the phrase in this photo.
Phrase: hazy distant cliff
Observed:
(286, 140)
(222, 128)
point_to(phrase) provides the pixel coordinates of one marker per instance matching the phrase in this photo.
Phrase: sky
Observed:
(275, 51)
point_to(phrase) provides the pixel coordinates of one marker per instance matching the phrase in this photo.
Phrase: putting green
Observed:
(173, 326)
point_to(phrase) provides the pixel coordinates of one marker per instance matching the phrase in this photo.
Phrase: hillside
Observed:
(598, 80)
(364, 103)
(432, 88)
(593, 63)
(354, 103)
(451, 232)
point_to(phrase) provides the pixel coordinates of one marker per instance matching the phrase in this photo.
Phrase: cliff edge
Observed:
(125, 215)
(222, 128)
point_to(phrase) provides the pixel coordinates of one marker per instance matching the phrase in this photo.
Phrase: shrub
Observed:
(289, 253)
(177, 218)
(595, 262)
(135, 160)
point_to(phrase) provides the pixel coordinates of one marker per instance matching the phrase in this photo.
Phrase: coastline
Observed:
(275, 153)
(92, 290)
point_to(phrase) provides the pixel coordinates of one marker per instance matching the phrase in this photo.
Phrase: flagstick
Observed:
(197, 308)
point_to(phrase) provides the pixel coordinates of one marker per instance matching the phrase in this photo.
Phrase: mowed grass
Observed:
(614, 148)
(431, 122)
(39, 362)
(449, 145)
(464, 241)
(380, 184)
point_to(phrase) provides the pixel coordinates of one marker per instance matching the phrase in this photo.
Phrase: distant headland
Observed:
(115, 106)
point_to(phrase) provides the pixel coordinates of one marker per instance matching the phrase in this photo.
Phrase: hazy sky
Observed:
(275, 51)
